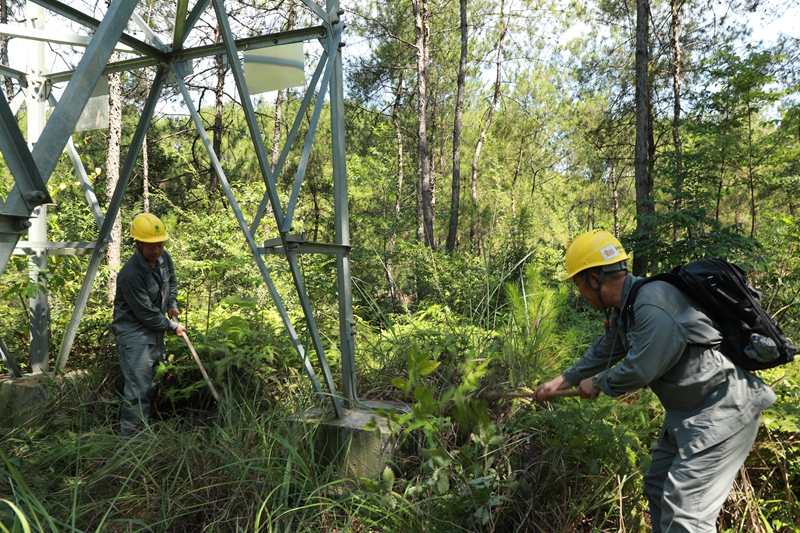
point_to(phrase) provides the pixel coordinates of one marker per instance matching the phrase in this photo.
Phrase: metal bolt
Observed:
(21, 225)
(36, 197)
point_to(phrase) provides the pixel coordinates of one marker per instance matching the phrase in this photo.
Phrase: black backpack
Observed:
(750, 338)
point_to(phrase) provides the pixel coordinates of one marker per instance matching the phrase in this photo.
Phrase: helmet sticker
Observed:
(609, 252)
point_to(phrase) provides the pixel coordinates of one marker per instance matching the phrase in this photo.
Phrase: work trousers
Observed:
(138, 363)
(686, 494)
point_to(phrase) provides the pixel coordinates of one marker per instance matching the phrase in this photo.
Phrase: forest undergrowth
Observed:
(472, 459)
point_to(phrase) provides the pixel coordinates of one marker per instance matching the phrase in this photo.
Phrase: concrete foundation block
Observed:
(347, 443)
(22, 398)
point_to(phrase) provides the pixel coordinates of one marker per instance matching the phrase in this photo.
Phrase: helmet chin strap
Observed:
(606, 310)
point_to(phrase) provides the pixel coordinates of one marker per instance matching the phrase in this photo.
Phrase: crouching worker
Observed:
(146, 290)
(712, 406)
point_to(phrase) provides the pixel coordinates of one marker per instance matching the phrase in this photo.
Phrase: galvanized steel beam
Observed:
(55, 248)
(18, 100)
(262, 267)
(31, 187)
(39, 304)
(90, 22)
(111, 214)
(83, 177)
(63, 119)
(15, 74)
(342, 221)
(312, 129)
(249, 43)
(298, 119)
(86, 186)
(8, 360)
(180, 25)
(52, 37)
(317, 9)
(41, 161)
(247, 106)
(261, 154)
(299, 245)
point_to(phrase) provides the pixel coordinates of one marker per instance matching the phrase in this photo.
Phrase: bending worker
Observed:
(146, 290)
(712, 406)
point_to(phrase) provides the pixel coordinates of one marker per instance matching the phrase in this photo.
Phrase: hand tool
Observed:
(202, 369)
(494, 396)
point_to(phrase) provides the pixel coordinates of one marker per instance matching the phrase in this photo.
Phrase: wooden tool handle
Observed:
(551, 395)
(563, 393)
(202, 368)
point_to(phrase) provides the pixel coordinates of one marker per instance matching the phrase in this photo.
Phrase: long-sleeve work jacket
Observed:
(668, 344)
(144, 293)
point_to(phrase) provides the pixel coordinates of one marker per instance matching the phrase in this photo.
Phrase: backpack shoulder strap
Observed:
(670, 277)
(627, 309)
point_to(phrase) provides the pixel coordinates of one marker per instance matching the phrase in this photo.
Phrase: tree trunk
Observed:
(420, 216)
(145, 176)
(114, 255)
(615, 198)
(791, 196)
(146, 159)
(424, 188)
(276, 131)
(721, 182)
(219, 94)
(455, 191)
(643, 177)
(675, 6)
(398, 197)
(279, 99)
(517, 171)
(751, 172)
(433, 135)
(9, 84)
(482, 137)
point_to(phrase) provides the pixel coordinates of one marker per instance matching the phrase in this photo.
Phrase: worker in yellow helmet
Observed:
(145, 307)
(667, 343)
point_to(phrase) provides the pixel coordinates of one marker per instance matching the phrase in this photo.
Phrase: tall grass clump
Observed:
(476, 458)
(252, 470)
(507, 465)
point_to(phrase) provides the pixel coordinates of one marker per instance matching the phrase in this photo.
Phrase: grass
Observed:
(512, 466)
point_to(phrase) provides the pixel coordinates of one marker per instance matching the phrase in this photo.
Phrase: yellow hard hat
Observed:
(593, 249)
(148, 228)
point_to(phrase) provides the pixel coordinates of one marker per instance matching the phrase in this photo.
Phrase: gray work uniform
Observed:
(712, 406)
(144, 293)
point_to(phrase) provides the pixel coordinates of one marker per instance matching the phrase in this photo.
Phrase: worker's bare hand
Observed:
(543, 391)
(173, 313)
(587, 391)
(180, 330)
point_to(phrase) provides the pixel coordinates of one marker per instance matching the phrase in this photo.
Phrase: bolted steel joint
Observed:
(21, 225)
(36, 197)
